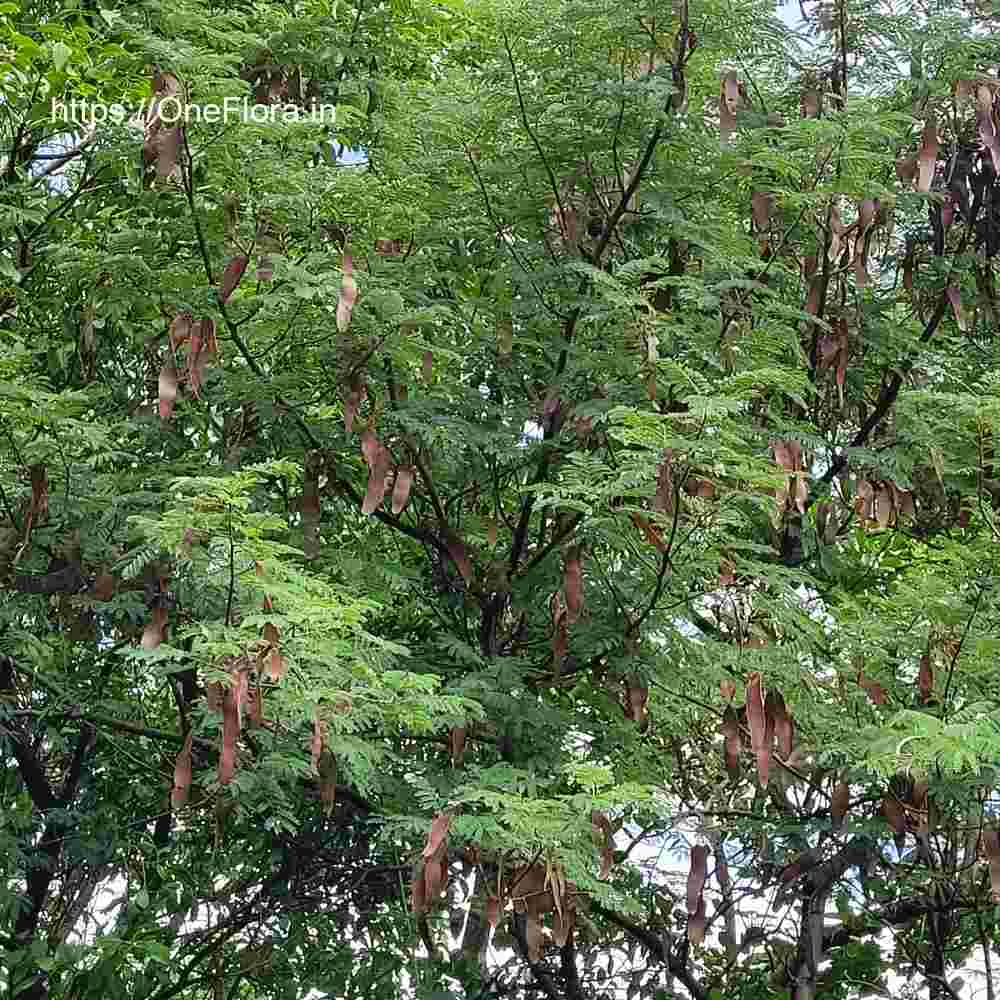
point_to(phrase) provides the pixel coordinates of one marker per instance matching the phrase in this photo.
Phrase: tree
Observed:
(554, 557)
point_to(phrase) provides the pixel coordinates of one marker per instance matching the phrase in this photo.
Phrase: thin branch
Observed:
(887, 396)
(62, 159)
(531, 132)
(958, 650)
(32, 772)
(657, 948)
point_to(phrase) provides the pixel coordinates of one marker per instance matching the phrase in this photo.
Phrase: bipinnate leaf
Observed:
(182, 774)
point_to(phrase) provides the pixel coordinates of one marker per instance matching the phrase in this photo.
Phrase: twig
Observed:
(63, 158)
(531, 132)
(958, 650)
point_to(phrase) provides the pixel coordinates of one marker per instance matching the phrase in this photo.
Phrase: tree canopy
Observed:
(499, 499)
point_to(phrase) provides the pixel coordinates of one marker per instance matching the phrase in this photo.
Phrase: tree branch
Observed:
(32, 772)
(657, 948)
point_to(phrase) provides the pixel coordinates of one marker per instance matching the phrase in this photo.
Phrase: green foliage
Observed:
(656, 424)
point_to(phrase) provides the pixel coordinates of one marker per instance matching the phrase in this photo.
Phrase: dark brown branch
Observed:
(32, 772)
(544, 980)
(68, 580)
(657, 949)
(84, 741)
(62, 159)
(570, 973)
(887, 397)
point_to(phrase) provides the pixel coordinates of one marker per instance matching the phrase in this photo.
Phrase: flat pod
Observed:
(839, 803)
(757, 722)
(697, 875)
(182, 774)
(401, 489)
